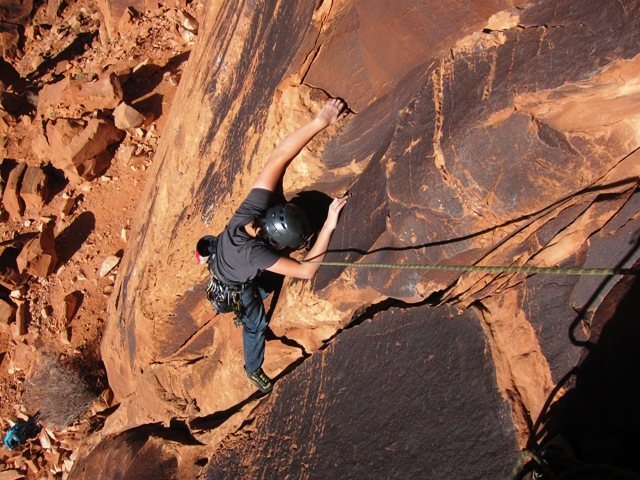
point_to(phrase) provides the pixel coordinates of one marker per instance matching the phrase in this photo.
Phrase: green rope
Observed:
(485, 268)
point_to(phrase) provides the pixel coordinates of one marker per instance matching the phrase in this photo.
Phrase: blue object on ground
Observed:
(21, 431)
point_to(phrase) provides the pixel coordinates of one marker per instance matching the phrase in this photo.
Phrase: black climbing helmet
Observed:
(286, 226)
(206, 247)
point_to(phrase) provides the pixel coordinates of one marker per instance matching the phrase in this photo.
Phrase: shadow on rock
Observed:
(58, 182)
(315, 205)
(82, 41)
(71, 238)
(151, 104)
(210, 422)
(137, 453)
(592, 431)
(144, 80)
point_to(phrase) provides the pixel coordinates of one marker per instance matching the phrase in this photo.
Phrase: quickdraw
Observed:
(226, 298)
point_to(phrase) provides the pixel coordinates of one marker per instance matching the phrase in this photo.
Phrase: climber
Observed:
(258, 237)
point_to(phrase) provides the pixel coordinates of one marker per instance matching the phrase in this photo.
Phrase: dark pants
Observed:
(254, 327)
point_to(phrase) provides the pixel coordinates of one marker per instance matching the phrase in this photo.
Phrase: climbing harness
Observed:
(21, 431)
(485, 268)
(226, 298)
(223, 296)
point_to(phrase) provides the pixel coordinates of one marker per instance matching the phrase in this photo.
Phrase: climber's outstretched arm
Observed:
(333, 110)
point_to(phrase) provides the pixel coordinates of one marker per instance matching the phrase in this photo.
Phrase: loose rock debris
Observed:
(82, 107)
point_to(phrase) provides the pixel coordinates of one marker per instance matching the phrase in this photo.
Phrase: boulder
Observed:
(35, 189)
(13, 14)
(9, 40)
(11, 199)
(128, 454)
(79, 96)
(108, 264)
(40, 144)
(53, 8)
(79, 147)
(68, 204)
(38, 256)
(51, 95)
(20, 327)
(10, 277)
(113, 10)
(23, 357)
(188, 21)
(127, 23)
(7, 311)
(16, 11)
(125, 116)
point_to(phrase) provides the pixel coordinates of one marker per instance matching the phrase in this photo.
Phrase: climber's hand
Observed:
(333, 110)
(334, 212)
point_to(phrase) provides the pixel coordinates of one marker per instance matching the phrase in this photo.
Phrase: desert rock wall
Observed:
(485, 133)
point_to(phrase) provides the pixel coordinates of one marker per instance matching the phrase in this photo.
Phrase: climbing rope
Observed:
(486, 268)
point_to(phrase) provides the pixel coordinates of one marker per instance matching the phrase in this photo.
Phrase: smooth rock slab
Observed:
(410, 394)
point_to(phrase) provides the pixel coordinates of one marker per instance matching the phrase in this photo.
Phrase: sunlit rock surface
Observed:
(509, 139)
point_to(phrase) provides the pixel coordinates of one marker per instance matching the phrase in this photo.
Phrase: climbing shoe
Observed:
(261, 380)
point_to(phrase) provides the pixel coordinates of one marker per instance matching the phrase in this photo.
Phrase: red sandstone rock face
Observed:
(372, 45)
(508, 139)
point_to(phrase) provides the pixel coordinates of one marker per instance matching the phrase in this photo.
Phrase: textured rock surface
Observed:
(598, 415)
(11, 199)
(371, 45)
(35, 189)
(71, 98)
(510, 140)
(38, 257)
(80, 148)
(125, 117)
(146, 452)
(408, 394)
